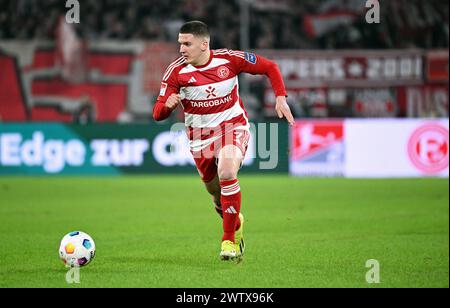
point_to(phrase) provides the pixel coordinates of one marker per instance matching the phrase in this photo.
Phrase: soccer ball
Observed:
(77, 249)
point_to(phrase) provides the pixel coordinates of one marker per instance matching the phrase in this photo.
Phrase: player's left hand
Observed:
(283, 109)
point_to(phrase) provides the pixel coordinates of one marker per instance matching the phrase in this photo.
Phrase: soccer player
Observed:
(205, 83)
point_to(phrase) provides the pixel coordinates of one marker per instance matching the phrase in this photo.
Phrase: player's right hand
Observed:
(173, 101)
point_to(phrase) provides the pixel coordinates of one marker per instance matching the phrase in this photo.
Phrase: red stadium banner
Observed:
(437, 66)
(59, 81)
(361, 83)
(12, 101)
(349, 68)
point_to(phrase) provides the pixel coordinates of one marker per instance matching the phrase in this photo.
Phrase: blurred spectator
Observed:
(273, 23)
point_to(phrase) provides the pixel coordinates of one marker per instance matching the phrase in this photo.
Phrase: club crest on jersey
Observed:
(162, 92)
(250, 57)
(223, 72)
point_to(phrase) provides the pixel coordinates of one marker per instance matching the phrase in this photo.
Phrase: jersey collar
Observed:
(207, 63)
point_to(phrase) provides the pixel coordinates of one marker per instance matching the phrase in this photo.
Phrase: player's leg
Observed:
(230, 159)
(213, 188)
(207, 168)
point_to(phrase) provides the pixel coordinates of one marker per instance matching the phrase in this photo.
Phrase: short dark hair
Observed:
(196, 28)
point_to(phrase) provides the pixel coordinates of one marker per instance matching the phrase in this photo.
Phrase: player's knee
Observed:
(227, 175)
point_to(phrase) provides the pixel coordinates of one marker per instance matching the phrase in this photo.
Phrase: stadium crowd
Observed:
(273, 23)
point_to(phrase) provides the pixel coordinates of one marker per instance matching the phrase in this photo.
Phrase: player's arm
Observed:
(168, 99)
(258, 65)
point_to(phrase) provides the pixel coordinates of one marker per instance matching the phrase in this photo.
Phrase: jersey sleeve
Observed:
(169, 86)
(254, 64)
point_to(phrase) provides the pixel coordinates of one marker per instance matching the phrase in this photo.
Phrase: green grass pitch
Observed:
(162, 231)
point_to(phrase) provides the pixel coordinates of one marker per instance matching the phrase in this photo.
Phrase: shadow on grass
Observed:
(124, 264)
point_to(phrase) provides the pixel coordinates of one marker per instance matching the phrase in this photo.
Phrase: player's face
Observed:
(192, 48)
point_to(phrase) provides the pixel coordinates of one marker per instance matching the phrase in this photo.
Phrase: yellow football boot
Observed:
(228, 251)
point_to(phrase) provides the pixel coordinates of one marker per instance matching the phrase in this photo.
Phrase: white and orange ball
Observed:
(77, 249)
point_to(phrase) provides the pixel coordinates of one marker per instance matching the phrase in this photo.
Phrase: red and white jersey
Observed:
(210, 93)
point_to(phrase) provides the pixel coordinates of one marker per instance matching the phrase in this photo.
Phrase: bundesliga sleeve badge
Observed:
(250, 57)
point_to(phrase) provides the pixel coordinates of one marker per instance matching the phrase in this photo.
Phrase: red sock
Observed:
(231, 206)
(218, 208)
